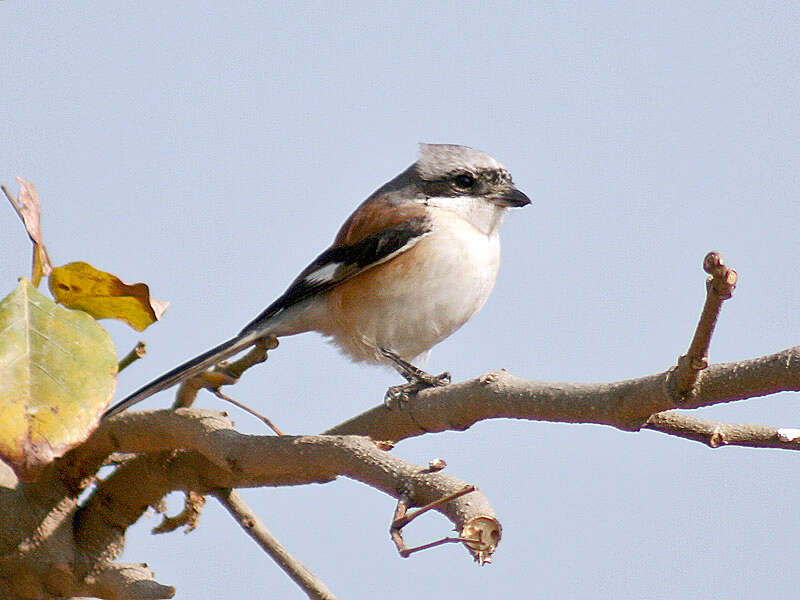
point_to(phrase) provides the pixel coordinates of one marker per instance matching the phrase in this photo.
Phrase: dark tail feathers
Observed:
(188, 369)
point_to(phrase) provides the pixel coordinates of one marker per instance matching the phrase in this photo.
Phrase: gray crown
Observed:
(437, 161)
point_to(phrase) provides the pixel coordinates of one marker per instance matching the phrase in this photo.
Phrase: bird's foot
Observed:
(418, 380)
(399, 395)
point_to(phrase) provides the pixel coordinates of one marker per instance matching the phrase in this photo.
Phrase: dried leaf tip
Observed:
(28, 209)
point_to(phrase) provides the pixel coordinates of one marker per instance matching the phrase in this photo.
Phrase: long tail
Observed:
(188, 369)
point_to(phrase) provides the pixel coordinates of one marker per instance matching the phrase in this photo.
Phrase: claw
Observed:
(397, 395)
(418, 380)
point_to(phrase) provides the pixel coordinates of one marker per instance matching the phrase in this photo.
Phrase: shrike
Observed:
(412, 264)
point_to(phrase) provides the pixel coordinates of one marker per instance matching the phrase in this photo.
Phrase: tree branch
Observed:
(137, 352)
(126, 582)
(198, 451)
(224, 373)
(719, 287)
(626, 405)
(215, 456)
(312, 585)
(714, 434)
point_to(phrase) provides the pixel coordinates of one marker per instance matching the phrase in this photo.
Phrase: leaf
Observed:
(57, 375)
(102, 295)
(27, 207)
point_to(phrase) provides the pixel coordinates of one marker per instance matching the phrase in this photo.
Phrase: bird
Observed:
(414, 262)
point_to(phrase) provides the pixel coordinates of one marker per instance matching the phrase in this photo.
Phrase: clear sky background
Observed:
(212, 149)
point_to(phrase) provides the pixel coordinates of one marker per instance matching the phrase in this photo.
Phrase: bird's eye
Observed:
(465, 181)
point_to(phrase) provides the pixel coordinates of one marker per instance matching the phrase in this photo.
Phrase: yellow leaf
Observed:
(79, 285)
(57, 375)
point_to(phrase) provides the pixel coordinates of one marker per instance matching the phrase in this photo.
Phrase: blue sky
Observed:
(211, 150)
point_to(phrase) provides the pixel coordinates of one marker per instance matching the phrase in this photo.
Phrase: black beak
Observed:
(512, 197)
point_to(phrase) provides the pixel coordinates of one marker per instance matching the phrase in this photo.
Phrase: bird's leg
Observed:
(417, 379)
(414, 374)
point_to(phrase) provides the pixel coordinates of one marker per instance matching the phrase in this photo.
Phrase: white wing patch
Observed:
(323, 274)
(328, 273)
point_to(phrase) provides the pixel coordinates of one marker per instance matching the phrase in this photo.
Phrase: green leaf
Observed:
(57, 374)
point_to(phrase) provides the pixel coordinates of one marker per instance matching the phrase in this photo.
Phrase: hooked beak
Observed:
(511, 197)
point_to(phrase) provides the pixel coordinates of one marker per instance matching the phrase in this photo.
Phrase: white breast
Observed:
(426, 294)
(461, 270)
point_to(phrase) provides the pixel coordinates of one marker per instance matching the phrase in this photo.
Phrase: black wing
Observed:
(340, 263)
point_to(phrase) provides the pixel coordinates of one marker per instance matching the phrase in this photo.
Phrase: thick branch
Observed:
(626, 405)
(199, 451)
(126, 582)
(218, 457)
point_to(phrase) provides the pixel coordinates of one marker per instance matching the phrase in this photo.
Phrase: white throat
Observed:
(483, 215)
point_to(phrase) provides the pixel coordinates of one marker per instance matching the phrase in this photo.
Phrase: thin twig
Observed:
(407, 518)
(256, 355)
(402, 518)
(218, 393)
(715, 434)
(448, 540)
(137, 352)
(396, 533)
(225, 373)
(719, 287)
(310, 583)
